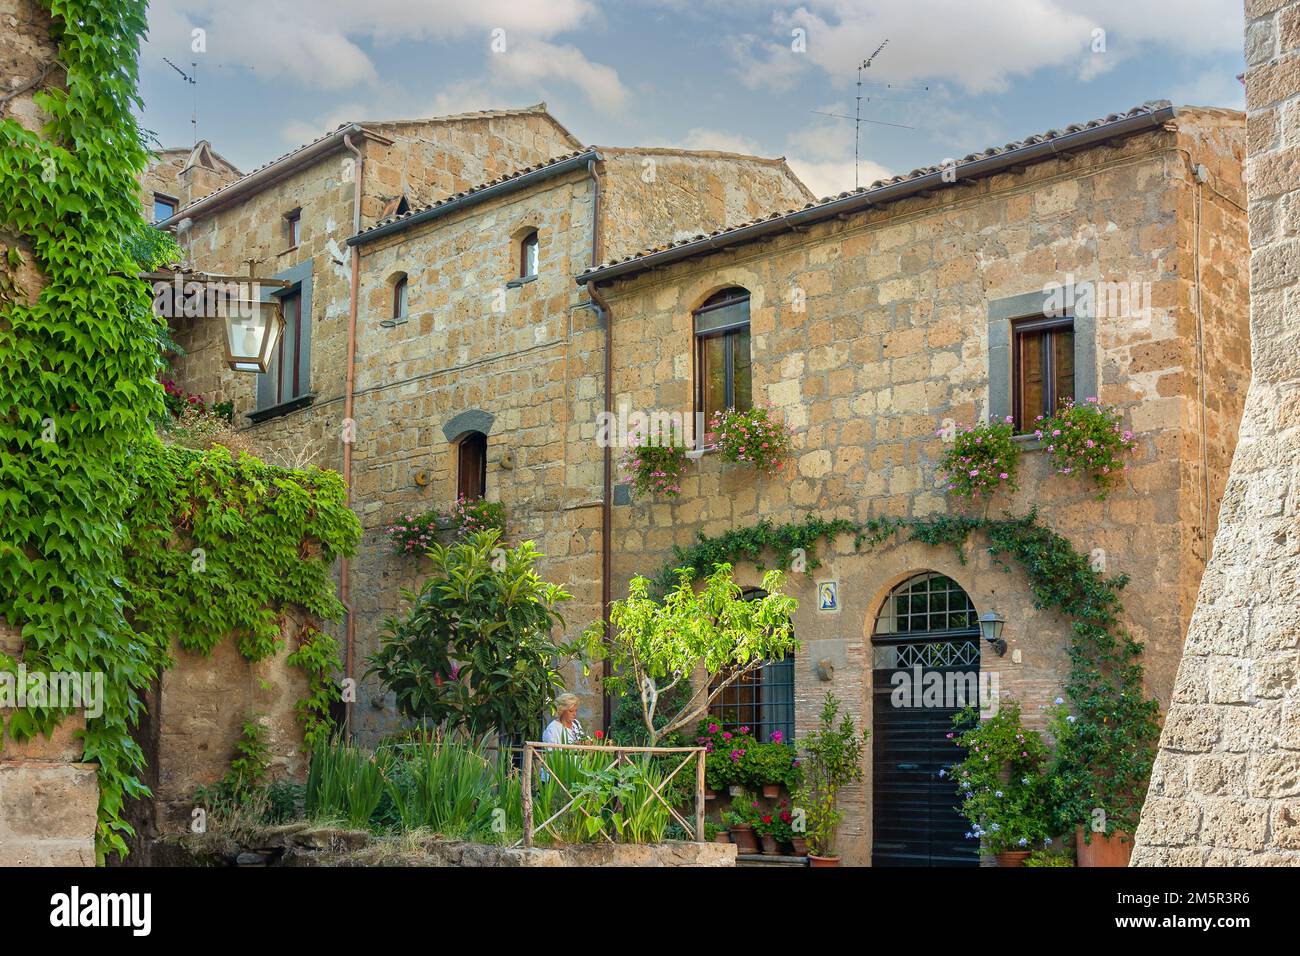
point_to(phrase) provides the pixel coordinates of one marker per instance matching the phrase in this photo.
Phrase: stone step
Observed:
(764, 859)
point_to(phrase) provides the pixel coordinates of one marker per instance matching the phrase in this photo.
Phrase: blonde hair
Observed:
(564, 702)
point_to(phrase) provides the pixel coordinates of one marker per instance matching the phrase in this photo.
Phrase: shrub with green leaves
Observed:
(1002, 781)
(345, 783)
(980, 458)
(655, 469)
(833, 760)
(474, 652)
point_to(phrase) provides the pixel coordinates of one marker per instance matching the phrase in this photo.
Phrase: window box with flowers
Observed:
(751, 437)
(980, 458)
(1087, 439)
(414, 533)
(654, 469)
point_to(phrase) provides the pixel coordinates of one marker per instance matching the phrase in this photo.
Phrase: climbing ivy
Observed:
(318, 657)
(77, 387)
(1105, 760)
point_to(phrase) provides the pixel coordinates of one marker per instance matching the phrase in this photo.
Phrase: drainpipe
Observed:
(349, 433)
(607, 497)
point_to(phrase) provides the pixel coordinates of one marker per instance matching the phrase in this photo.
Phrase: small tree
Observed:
(475, 651)
(656, 647)
(834, 760)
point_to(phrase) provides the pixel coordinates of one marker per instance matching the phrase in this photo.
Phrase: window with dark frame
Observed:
(722, 357)
(762, 700)
(1042, 375)
(471, 467)
(164, 207)
(528, 255)
(290, 381)
(399, 299)
(293, 227)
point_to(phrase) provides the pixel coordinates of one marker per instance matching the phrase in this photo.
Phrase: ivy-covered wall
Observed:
(99, 522)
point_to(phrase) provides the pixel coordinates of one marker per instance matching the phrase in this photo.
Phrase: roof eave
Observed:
(858, 202)
(271, 174)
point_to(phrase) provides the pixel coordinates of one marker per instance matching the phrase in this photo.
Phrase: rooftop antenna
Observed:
(857, 108)
(190, 78)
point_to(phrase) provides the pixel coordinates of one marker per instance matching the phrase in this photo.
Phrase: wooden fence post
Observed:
(699, 796)
(527, 784)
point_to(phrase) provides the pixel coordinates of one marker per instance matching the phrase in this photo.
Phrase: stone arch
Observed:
(471, 420)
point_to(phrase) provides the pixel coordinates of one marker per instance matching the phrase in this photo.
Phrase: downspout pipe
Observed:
(607, 496)
(349, 428)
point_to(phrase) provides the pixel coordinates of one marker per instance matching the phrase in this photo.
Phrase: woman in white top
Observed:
(564, 729)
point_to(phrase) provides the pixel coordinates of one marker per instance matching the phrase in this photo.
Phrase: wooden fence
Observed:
(535, 752)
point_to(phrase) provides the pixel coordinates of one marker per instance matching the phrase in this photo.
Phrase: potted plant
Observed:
(774, 829)
(769, 766)
(833, 759)
(980, 458)
(1001, 783)
(1087, 439)
(751, 437)
(716, 834)
(741, 819)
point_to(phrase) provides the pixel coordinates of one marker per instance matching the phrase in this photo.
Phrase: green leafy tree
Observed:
(475, 650)
(655, 647)
(834, 760)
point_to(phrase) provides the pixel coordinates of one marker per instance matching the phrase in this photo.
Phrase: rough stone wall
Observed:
(1226, 786)
(662, 195)
(49, 797)
(163, 175)
(895, 339)
(529, 356)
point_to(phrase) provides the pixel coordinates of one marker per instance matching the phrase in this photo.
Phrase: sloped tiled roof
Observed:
(360, 127)
(833, 205)
(424, 212)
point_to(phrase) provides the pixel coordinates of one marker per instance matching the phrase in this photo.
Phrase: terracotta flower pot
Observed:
(722, 836)
(823, 860)
(771, 790)
(769, 845)
(736, 790)
(710, 794)
(744, 838)
(799, 845)
(1104, 850)
(1012, 857)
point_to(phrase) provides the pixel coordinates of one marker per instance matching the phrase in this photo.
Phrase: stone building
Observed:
(453, 338)
(1225, 790)
(180, 176)
(867, 322)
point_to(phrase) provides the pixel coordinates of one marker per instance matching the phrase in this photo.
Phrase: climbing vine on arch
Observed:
(1107, 758)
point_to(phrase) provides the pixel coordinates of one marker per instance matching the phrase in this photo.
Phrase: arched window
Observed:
(399, 298)
(471, 466)
(722, 363)
(927, 620)
(528, 254)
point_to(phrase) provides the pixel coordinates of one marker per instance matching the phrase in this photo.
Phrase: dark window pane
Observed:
(1063, 366)
(1029, 353)
(713, 375)
(742, 388)
(471, 476)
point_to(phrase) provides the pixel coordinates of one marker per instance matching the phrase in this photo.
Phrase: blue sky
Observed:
(727, 74)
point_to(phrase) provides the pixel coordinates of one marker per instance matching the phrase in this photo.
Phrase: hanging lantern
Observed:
(253, 329)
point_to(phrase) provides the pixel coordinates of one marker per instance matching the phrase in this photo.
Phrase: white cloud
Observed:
(982, 46)
(318, 42)
(830, 177)
(536, 61)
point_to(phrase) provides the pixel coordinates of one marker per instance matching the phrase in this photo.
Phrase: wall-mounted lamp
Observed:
(991, 624)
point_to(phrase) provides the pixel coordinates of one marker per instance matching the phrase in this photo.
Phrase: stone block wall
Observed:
(895, 338)
(1226, 785)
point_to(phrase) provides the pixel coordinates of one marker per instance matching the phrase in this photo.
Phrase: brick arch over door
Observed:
(474, 420)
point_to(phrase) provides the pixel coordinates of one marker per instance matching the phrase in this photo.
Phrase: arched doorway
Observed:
(925, 659)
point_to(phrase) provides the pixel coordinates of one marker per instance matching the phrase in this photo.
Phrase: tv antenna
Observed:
(191, 79)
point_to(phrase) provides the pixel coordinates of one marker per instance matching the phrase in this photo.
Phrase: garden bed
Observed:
(307, 844)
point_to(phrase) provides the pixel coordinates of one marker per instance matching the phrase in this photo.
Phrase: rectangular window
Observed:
(293, 228)
(1042, 368)
(471, 467)
(763, 701)
(164, 207)
(290, 377)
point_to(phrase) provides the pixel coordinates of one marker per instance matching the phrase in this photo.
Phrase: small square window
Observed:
(164, 207)
(293, 228)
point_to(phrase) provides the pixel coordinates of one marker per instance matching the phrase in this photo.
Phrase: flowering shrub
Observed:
(751, 437)
(745, 812)
(776, 823)
(726, 754)
(1001, 782)
(980, 459)
(472, 515)
(1087, 438)
(177, 401)
(412, 534)
(655, 469)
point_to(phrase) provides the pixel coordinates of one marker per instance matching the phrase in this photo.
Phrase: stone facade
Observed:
(525, 358)
(898, 311)
(185, 175)
(1226, 785)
